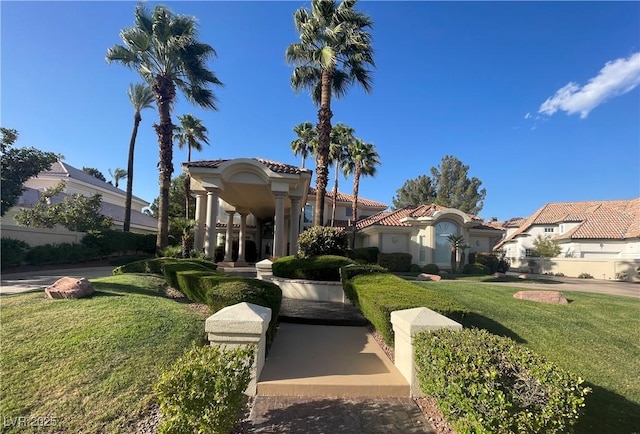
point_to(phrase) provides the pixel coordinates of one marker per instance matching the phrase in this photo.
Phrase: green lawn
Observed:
(596, 336)
(88, 365)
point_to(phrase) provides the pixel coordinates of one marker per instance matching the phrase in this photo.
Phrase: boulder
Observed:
(553, 297)
(432, 277)
(523, 276)
(69, 287)
(496, 274)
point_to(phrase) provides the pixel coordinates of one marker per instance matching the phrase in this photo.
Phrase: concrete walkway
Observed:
(16, 283)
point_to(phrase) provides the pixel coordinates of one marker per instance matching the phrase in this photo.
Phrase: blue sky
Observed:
(540, 99)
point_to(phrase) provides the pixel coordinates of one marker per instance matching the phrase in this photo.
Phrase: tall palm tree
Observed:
(341, 137)
(192, 134)
(334, 52)
(306, 141)
(163, 48)
(457, 243)
(361, 160)
(141, 97)
(117, 175)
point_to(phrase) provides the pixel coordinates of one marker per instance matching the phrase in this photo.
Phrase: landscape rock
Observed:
(496, 274)
(552, 297)
(432, 277)
(69, 287)
(523, 276)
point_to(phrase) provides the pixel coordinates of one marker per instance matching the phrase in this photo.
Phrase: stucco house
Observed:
(76, 181)
(590, 233)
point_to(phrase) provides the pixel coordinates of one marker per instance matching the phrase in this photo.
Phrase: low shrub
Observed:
(171, 268)
(485, 383)
(379, 294)
(322, 240)
(559, 274)
(585, 276)
(204, 390)
(156, 265)
(395, 262)
(476, 269)
(323, 268)
(367, 254)
(107, 242)
(64, 253)
(350, 271)
(489, 260)
(415, 268)
(13, 252)
(431, 269)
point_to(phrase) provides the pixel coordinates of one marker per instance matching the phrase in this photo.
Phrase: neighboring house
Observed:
(77, 181)
(344, 208)
(422, 231)
(597, 231)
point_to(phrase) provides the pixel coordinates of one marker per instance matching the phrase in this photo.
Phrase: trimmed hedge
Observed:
(171, 269)
(108, 241)
(322, 240)
(488, 384)
(63, 253)
(323, 268)
(13, 252)
(156, 265)
(379, 294)
(476, 269)
(431, 269)
(395, 262)
(366, 254)
(350, 271)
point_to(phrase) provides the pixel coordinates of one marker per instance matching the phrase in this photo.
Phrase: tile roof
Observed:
(271, 165)
(610, 219)
(348, 198)
(393, 218)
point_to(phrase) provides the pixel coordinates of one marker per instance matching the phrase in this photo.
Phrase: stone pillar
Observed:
(406, 323)
(294, 225)
(279, 234)
(263, 269)
(243, 231)
(201, 215)
(210, 229)
(242, 324)
(228, 249)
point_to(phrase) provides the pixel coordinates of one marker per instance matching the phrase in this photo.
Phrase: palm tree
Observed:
(192, 134)
(361, 160)
(306, 141)
(141, 98)
(457, 242)
(163, 48)
(117, 175)
(341, 137)
(334, 52)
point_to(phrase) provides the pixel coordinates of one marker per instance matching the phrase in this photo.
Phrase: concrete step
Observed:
(329, 361)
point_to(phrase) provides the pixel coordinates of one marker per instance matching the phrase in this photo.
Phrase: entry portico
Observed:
(267, 192)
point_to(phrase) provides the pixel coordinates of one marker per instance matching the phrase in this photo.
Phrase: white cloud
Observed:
(527, 116)
(615, 78)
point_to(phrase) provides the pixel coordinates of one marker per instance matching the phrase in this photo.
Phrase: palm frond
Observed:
(140, 96)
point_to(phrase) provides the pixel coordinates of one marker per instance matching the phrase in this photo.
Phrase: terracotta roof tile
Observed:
(272, 165)
(348, 198)
(393, 218)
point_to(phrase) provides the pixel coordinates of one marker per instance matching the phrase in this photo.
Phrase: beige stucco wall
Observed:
(40, 236)
(606, 269)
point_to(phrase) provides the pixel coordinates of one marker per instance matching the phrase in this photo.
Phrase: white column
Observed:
(278, 230)
(294, 229)
(212, 218)
(201, 215)
(243, 230)
(228, 249)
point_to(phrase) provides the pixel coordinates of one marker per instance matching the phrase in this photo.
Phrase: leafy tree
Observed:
(18, 165)
(141, 97)
(163, 48)
(545, 247)
(95, 173)
(414, 192)
(449, 185)
(334, 52)
(177, 202)
(341, 137)
(361, 160)
(75, 212)
(117, 175)
(192, 134)
(306, 140)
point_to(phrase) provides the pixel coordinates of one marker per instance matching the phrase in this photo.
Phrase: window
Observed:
(348, 212)
(308, 213)
(529, 253)
(423, 249)
(443, 246)
(549, 230)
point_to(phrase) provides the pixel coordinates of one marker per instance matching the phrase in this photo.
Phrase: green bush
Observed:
(379, 294)
(585, 276)
(322, 240)
(367, 254)
(107, 242)
(156, 265)
(415, 268)
(431, 269)
(489, 384)
(203, 392)
(64, 253)
(476, 269)
(323, 268)
(13, 252)
(395, 262)
(489, 260)
(170, 270)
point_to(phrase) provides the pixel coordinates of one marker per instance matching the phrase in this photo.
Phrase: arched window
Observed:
(443, 246)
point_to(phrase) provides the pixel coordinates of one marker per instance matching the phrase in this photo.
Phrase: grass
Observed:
(88, 365)
(596, 336)
(484, 278)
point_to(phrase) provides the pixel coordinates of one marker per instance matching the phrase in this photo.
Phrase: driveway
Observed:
(16, 283)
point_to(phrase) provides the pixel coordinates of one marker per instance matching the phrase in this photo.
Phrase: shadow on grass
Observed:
(511, 279)
(113, 289)
(475, 320)
(608, 412)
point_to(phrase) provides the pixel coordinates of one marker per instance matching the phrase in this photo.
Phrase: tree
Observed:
(341, 137)
(117, 175)
(141, 97)
(457, 243)
(453, 187)
(414, 192)
(546, 247)
(361, 160)
(75, 212)
(334, 52)
(18, 165)
(306, 140)
(163, 48)
(192, 134)
(95, 173)
(177, 200)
